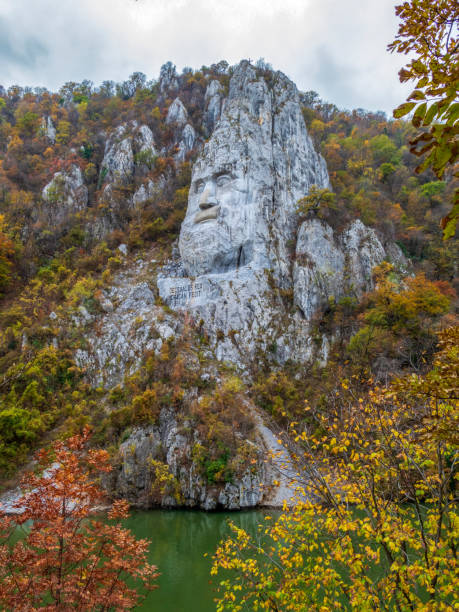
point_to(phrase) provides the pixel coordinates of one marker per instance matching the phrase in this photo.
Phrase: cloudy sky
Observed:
(335, 47)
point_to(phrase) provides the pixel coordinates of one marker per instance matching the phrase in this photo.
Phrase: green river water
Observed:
(179, 541)
(182, 544)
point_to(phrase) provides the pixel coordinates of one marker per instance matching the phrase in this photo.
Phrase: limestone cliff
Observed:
(66, 194)
(246, 269)
(237, 239)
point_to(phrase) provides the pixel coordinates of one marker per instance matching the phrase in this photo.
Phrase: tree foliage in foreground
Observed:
(430, 30)
(382, 533)
(67, 561)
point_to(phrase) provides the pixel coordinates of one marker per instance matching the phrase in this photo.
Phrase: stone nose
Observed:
(207, 199)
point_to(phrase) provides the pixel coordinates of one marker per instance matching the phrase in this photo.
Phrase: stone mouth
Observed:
(207, 214)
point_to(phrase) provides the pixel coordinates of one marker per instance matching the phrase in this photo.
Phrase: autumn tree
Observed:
(7, 251)
(316, 202)
(67, 560)
(400, 317)
(380, 530)
(429, 32)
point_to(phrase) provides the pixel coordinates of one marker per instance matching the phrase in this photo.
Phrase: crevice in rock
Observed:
(239, 257)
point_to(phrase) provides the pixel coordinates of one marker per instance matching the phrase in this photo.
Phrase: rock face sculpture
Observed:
(258, 162)
(238, 259)
(241, 217)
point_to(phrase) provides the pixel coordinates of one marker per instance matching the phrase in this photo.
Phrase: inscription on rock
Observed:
(184, 293)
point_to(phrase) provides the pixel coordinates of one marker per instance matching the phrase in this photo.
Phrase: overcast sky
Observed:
(335, 47)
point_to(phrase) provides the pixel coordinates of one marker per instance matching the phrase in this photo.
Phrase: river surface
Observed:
(179, 541)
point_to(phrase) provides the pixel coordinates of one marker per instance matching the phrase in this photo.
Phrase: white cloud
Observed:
(336, 47)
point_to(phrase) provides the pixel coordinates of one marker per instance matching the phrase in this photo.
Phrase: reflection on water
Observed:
(179, 540)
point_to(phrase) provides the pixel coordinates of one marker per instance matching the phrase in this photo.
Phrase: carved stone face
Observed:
(255, 166)
(216, 234)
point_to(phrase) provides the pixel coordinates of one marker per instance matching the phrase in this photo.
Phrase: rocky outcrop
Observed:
(125, 147)
(329, 267)
(318, 269)
(129, 155)
(177, 113)
(130, 324)
(184, 133)
(145, 192)
(214, 102)
(170, 445)
(48, 128)
(363, 250)
(186, 143)
(65, 195)
(118, 162)
(144, 140)
(148, 190)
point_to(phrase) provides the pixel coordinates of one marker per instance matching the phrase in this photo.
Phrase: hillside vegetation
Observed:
(55, 260)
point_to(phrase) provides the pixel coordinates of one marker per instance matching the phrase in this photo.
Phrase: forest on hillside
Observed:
(54, 259)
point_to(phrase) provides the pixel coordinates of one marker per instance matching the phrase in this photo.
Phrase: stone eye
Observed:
(199, 186)
(223, 180)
